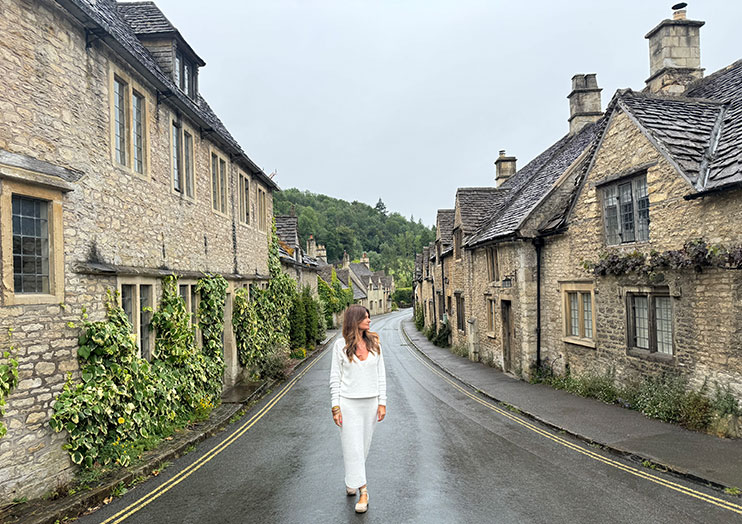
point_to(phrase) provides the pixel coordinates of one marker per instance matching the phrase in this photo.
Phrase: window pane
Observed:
(138, 124)
(663, 313)
(214, 181)
(187, 78)
(145, 301)
(119, 102)
(176, 72)
(188, 157)
(574, 318)
(183, 290)
(610, 215)
(587, 314)
(247, 201)
(30, 245)
(641, 321)
(223, 186)
(640, 192)
(627, 212)
(127, 299)
(176, 159)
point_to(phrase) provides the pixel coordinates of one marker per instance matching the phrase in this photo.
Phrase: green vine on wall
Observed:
(695, 254)
(8, 380)
(125, 404)
(261, 319)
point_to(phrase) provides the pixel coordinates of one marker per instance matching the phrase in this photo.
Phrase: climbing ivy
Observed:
(8, 380)
(261, 318)
(125, 404)
(695, 254)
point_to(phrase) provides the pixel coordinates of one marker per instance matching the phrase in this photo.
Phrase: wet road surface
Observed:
(443, 454)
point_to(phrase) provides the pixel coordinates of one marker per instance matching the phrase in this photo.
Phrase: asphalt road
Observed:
(443, 454)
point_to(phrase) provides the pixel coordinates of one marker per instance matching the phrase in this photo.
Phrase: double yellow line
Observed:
(721, 503)
(187, 472)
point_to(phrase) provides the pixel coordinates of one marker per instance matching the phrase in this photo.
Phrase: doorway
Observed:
(507, 335)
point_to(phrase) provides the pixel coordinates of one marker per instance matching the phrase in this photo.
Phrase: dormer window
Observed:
(184, 74)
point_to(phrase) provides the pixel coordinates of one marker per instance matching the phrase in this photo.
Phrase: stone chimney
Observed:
(504, 168)
(674, 54)
(364, 260)
(346, 260)
(321, 253)
(312, 247)
(584, 102)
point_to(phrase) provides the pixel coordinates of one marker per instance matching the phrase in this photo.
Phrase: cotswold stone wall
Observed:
(55, 102)
(706, 307)
(516, 260)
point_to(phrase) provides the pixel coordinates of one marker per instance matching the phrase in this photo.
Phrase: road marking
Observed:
(187, 472)
(724, 504)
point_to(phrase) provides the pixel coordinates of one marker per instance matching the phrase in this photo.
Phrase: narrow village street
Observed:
(443, 454)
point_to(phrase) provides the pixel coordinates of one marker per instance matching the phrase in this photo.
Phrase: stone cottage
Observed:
(114, 171)
(666, 172)
(472, 206)
(297, 263)
(505, 252)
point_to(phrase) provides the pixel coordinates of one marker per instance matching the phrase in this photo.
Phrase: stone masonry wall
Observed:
(56, 106)
(705, 306)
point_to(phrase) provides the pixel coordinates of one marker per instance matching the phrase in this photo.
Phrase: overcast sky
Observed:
(406, 100)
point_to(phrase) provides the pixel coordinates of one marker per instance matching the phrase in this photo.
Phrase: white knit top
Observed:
(357, 379)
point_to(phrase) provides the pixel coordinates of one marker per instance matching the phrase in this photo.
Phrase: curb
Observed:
(630, 455)
(50, 512)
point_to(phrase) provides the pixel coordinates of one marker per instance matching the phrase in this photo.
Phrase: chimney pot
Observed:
(504, 168)
(584, 102)
(674, 53)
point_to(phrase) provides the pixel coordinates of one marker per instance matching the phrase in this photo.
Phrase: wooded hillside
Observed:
(389, 239)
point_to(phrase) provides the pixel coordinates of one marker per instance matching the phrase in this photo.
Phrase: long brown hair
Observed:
(353, 316)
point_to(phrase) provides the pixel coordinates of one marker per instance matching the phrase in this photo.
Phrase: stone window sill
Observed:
(491, 334)
(586, 342)
(650, 355)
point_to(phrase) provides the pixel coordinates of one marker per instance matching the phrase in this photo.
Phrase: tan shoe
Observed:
(362, 507)
(350, 491)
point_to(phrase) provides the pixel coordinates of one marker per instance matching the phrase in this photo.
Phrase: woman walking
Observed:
(358, 389)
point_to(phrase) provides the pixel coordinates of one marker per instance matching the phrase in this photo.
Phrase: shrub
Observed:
(298, 323)
(419, 316)
(402, 296)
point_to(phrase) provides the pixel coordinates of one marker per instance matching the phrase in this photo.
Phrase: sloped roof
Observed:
(360, 269)
(287, 230)
(684, 127)
(105, 19)
(147, 21)
(725, 86)
(530, 184)
(475, 205)
(145, 18)
(444, 224)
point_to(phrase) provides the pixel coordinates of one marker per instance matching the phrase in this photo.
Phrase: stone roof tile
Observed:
(444, 225)
(530, 184)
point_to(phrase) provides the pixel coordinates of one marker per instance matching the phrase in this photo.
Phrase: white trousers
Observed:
(359, 421)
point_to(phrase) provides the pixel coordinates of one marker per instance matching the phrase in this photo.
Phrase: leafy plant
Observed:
(261, 319)
(695, 254)
(125, 404)
(8, 380)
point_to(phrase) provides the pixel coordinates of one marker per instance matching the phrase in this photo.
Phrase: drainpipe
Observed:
(443, 283)
(538, 243)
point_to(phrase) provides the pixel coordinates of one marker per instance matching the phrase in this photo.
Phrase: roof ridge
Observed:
(696, 84)
(624, 93)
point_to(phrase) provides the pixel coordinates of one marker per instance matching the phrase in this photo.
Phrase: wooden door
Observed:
(507, 334)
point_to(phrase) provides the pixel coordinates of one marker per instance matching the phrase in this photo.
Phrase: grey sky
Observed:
(407, 100)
